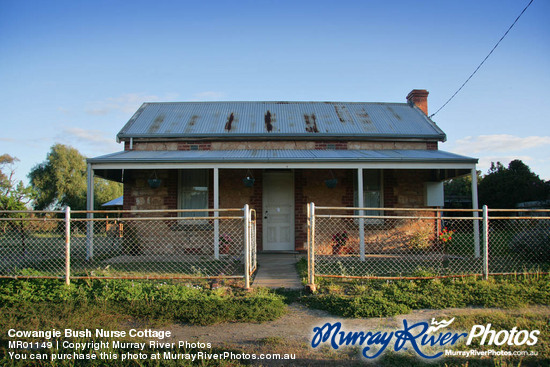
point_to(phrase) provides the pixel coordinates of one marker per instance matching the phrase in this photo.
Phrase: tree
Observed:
(458, 191)
(14, 195)
(505, 187)
(61, 181)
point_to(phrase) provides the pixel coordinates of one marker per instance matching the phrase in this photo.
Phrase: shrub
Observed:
(532, 244)
(150, 300)
(421, 239)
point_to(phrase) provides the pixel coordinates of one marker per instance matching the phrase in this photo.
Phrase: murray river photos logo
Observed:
(417, 336)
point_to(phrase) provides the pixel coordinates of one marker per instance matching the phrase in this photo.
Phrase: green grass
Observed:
(41, 304)
(162, 301)
(379, 298)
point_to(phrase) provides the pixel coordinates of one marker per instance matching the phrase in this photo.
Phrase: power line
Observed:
(485, 59)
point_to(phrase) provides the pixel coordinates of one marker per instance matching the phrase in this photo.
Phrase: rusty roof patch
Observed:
(311, 123)
(190, 125)
(394, 113)
(268, 125)
(263, 119)
(340, 117)
(155, 126)
(229, 122)
(364, 116)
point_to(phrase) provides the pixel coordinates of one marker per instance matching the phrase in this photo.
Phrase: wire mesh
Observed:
(124, 244)
(32, 243)
(519, 244)
(425, 243)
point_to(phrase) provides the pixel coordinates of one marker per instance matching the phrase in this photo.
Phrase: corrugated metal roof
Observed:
(115, 202)
(292, 156)
(280, 119)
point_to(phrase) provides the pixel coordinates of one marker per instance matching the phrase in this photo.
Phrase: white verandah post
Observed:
(216, 213)
(476, 214)
(246, 220)
(89, 214)
(311, 246)
(361, 203)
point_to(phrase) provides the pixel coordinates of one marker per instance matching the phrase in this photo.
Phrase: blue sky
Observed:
(74, 72)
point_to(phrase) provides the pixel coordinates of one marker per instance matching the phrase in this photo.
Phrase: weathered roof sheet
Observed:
(258, 156)
(280, 120)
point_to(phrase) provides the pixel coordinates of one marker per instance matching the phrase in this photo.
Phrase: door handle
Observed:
(265, 215)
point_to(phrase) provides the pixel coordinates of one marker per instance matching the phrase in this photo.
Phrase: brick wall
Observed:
(405, 188)
(402, 188)
(139, 196)
(256, 203)
(284, 145)
(331, 145)
(194, 146)
(300, 211)
(431, 145)
(389, 186)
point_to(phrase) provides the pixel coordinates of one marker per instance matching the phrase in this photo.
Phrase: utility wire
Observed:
(485, 59)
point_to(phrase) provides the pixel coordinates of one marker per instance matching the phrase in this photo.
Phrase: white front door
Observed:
(278, 211)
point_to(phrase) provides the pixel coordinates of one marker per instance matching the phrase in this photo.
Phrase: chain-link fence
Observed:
(416, 243)
(32, 243)
(174, 244)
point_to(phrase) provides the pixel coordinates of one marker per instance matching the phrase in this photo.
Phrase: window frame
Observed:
(381, 195)
(181, 196)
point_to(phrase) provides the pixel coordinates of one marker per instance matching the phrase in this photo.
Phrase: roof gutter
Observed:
(278, 160)
(268, 137)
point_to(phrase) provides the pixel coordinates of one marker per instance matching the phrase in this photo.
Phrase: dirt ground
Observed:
(292, 333)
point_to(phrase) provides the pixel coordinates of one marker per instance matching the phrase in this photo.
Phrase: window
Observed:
(193, 191)
(372, 191)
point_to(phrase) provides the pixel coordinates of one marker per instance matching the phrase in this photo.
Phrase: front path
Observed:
(277, 271)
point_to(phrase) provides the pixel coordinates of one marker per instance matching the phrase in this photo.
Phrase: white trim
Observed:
(216, 206)
(296, 165)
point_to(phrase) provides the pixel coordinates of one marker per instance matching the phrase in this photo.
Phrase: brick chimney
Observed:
(419, 97)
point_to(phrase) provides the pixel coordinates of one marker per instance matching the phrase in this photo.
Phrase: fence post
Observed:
(68, 245)
(311, 247)
(246, 247)
(216, 214)
(485, 242)
(475, 207)
(90, 214)
(361, 202)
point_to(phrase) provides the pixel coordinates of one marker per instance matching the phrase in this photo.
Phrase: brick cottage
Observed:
(278, 156)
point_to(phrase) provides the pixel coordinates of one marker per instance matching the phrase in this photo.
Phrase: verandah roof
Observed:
(283, 156)
(451, 165)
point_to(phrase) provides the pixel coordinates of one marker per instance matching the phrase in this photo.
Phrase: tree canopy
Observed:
(61, 181)
(14, 195)
(502, 187)
(505, 187)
